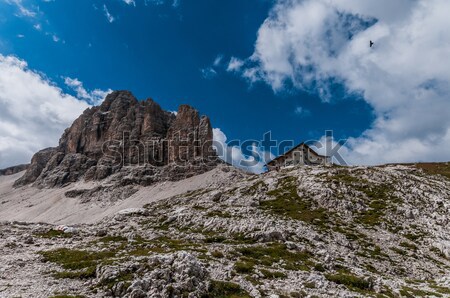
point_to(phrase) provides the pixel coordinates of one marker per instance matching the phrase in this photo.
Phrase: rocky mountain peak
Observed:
(124, 132)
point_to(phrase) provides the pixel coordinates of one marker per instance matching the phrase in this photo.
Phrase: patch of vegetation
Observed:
(413, 237)
(386, 292)
(351, 235)
(217, 254)
(439, 289)
(377, 253)
(199, 208)
(50, 234)
(372, 216)
(351, 281)
(222, 289)
(86, 273)
(244, 267)
(370, 268)
(252, 190)
(274, 253)
(177, 245)
(240, 238)
(272, 274)
(215, 239)
(410, 292)
(346, 178)
(217, 213)
(408, 245)
(107, 239)
(72, 259)
(438, 252)
(195, 193)
(289, 204)
(319, 267)
(126, 277)
(310, 285)
(399, 251)
(379, 195)
(442, 169)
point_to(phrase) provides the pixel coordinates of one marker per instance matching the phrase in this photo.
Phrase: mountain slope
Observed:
(299, 232)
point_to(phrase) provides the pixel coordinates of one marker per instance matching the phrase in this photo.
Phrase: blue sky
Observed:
(180, 52)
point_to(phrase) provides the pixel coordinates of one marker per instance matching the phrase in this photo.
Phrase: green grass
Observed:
(126, 277)
(217, 254)
(222, 289)
(372, 216)
(268, 255)
(435, 168)
(72, 259)
(310, 285)
(107, 239)
(215, 239)
(408, 245)
(351, 281)
(345, 178)
(289, 204)
(86, 273)
(177, 244)
(244, 267)
(240, 238)
(413, 237)
(319, 267)
(380, 200)
(350, 234)
(54, 234)
(442, 290)
(252, 190)
(272, 274)
(379, 196)
(438, 252)
(218, 213)
(399, 251)
(410, 292)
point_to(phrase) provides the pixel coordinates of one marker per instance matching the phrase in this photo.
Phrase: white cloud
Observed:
(55, 38)
(212, 70)
(218, 61)
(33, 112)
(130, 2)
(308, 44)
(254, 163)
(38, 27)
(208, 73)
(20, 35)
(176, 3)
(235, 64)
(23, 11)
(93, 97)
(108, 16)
(154, 2)
(302, 112)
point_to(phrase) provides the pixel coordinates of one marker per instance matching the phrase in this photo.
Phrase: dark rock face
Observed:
(38, 163)
(131, 138)
(13, 170)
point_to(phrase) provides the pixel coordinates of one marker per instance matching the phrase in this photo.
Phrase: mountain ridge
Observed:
(123, 131)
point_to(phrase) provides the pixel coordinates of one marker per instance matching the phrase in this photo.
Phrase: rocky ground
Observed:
(299, 232)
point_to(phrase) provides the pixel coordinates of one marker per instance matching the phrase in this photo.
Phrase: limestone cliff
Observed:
(121, 133)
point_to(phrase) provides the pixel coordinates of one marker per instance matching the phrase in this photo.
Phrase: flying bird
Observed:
(371, 43)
